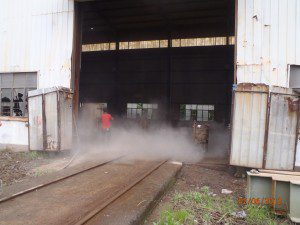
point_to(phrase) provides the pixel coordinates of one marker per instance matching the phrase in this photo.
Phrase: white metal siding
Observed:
(297, 160)
(51, 114)
(282, 130)
(14, 135)
(268, 34)
(264, 122)
(37, 35)
(35, 107)
(248, 126)
(65, 106)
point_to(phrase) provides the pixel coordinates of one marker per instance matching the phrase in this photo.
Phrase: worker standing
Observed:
(105, 120)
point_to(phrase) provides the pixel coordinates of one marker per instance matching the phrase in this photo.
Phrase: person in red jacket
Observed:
(106, 124)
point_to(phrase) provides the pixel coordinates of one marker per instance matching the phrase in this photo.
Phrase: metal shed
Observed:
(50, 119)
(265, 127)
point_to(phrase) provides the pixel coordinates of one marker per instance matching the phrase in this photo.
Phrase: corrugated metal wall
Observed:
(51, 118)
(36, 123)
(249, 125)
(65, 120)
(264, 127)
(268, 34)
(282, 129)
(37, 35)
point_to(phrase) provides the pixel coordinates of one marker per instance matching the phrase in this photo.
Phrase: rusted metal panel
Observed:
(297, 160)
(266, 40)
(37, 36)
(35, 123)
(52, 109)
(265, 127)
(51, 117)
(65, 122)
(248, 125)
(282, 129)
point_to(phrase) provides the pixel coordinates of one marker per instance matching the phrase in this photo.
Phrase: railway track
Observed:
(55, 181)
(117, 195)
(98, 205)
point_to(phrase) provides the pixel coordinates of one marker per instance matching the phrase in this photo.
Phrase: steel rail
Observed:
(119, 193)
(56, 180)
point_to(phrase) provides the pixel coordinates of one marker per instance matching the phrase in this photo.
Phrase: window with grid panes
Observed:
(136, 110)
(200, 113)
(14, 89)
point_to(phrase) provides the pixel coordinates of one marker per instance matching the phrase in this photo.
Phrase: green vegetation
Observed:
(176, 217)
(204, 207)
(32, 155)
(41, 172)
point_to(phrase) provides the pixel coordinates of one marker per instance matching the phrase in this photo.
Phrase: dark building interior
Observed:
(172, 73)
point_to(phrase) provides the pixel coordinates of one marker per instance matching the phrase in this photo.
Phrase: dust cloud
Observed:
(219, 141)
(158, 142)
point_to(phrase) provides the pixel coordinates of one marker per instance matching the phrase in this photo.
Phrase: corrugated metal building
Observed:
(37, 36)
(191, 60)
(265, 132)
(267, 40)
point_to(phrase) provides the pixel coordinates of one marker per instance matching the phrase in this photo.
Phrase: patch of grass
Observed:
(204, 198)
(262, 215)
(205, 189)
(206, 208)
(228, 206)
(178, 197)
(206, 217)
(170, 217)
(33, 155)
(39, 173)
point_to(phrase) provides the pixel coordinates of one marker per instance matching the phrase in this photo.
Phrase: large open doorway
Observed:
(173, 60)
(177, 54)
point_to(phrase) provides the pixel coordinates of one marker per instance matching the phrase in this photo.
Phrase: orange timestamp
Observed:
(259, 201)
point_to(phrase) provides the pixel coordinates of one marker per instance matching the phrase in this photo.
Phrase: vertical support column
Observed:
(76, 58)
(116, 98)
(169, 81)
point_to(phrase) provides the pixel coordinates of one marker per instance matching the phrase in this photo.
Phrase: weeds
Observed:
(179, 217)
(178, 197)
(262, 215)
(33, 155)
(204, 207)
(39, 173)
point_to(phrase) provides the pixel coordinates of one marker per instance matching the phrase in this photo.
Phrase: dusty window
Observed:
(137, 110)
(14, 89)
(203, 41)
(99, 47)
(184, 42)
(197, 112)
(144, 44)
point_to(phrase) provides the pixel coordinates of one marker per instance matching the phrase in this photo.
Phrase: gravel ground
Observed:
(192, 178)
(17, 166)
(188, 190)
